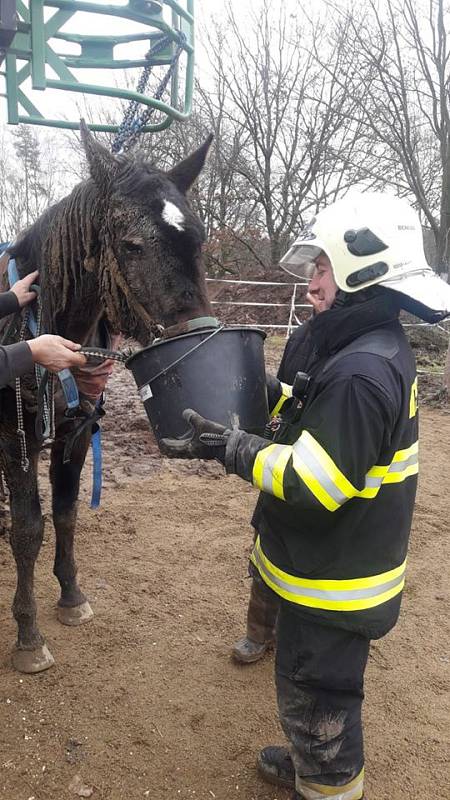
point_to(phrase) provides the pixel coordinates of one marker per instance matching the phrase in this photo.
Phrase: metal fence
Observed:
(293, 320)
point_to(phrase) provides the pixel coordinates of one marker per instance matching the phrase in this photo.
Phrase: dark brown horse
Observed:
(124, 247)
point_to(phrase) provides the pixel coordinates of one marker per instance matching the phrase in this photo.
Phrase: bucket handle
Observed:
(181, 358)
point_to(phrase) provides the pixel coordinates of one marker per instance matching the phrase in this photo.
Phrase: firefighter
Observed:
(337, 470)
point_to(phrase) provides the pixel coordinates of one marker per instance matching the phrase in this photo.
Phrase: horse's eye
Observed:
(132, 247)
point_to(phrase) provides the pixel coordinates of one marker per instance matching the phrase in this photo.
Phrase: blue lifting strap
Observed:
(96, 443)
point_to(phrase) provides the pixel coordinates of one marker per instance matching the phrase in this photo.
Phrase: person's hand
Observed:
(22, 289)
(206, 439)
(55, 353)
(316, 301)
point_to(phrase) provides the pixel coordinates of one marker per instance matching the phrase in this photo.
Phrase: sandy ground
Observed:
(145, 701)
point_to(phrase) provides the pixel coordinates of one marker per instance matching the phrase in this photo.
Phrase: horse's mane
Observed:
(59, 244)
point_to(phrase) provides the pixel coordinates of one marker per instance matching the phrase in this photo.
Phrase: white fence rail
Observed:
(293, 321)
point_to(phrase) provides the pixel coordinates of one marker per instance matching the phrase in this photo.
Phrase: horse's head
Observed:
(150, 262)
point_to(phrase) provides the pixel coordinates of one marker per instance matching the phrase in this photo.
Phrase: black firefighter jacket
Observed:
(339, 476)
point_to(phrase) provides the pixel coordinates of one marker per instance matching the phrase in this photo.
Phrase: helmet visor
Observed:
(299, 259)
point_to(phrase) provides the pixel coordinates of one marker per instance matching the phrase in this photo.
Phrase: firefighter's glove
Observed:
(205, 439)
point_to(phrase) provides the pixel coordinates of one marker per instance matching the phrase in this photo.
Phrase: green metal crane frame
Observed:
(29, 43)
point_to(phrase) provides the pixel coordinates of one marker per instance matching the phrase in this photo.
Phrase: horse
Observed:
(124, 248)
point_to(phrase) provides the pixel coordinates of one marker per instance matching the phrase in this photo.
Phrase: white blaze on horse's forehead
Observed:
(173, 215)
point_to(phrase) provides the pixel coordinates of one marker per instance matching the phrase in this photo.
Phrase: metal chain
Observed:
(105, 355)
(48, 411)
(3, 495)
(38, 370)
(51, 402)
(24, 460)
(132, 124)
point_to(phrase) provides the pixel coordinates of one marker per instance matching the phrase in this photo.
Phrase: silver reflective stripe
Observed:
(318, 471)
(322, 594)
(399, 466)
(269, 464)
(374, 483)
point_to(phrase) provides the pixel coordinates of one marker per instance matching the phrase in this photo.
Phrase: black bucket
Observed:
(219, 372)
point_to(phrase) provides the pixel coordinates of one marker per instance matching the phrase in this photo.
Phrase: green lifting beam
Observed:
(25, 37)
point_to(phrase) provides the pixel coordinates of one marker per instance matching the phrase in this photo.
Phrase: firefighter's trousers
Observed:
(319, 677)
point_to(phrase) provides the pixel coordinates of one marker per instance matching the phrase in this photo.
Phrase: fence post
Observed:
(292, 311)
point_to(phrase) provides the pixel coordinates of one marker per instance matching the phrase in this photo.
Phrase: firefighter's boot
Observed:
(275, 766)
(247, 651)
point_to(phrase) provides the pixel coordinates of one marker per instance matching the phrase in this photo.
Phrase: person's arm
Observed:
(18, 296)
(52, 352)
(9, 304)
(345, 428)
(15, 360)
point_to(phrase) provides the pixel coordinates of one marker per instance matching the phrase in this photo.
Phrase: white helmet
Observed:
(373, 239)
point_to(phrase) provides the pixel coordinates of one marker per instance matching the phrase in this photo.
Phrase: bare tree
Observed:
(31, 177)
(401, 55)
(298, 121)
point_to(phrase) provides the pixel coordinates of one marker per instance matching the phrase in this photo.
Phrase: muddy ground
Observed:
(145, 701)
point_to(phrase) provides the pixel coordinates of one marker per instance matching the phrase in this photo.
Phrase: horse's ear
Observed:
(186, 172)
(102, 163)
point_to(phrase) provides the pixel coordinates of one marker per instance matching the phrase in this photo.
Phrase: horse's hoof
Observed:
(75, 615)
(31, 661)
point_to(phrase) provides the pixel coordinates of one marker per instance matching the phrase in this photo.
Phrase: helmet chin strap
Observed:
(340, 299)
(343, 298)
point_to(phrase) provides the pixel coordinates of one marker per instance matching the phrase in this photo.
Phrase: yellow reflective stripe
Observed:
(336, 605)
(330, 486)
(330, 595)
(278, 472)
(402, 455)
(398, 477)
(258, 466)
(286, 393)
(317, 470)
(388, 476)
(333, 472)
(268, 469)
(331, 584)
(378, 471)
(331, 605)
(315, 791)
(316, 488)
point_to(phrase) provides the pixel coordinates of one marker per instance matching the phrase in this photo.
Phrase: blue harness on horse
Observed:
(66, 379)
(71, 396)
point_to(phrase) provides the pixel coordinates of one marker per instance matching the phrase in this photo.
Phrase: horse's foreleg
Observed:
(31, 653)
(73, 607)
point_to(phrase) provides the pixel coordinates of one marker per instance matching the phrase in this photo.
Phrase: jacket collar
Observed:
(333, 329)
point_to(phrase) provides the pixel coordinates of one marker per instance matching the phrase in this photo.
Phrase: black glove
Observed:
(207, 439)
(274, 391)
